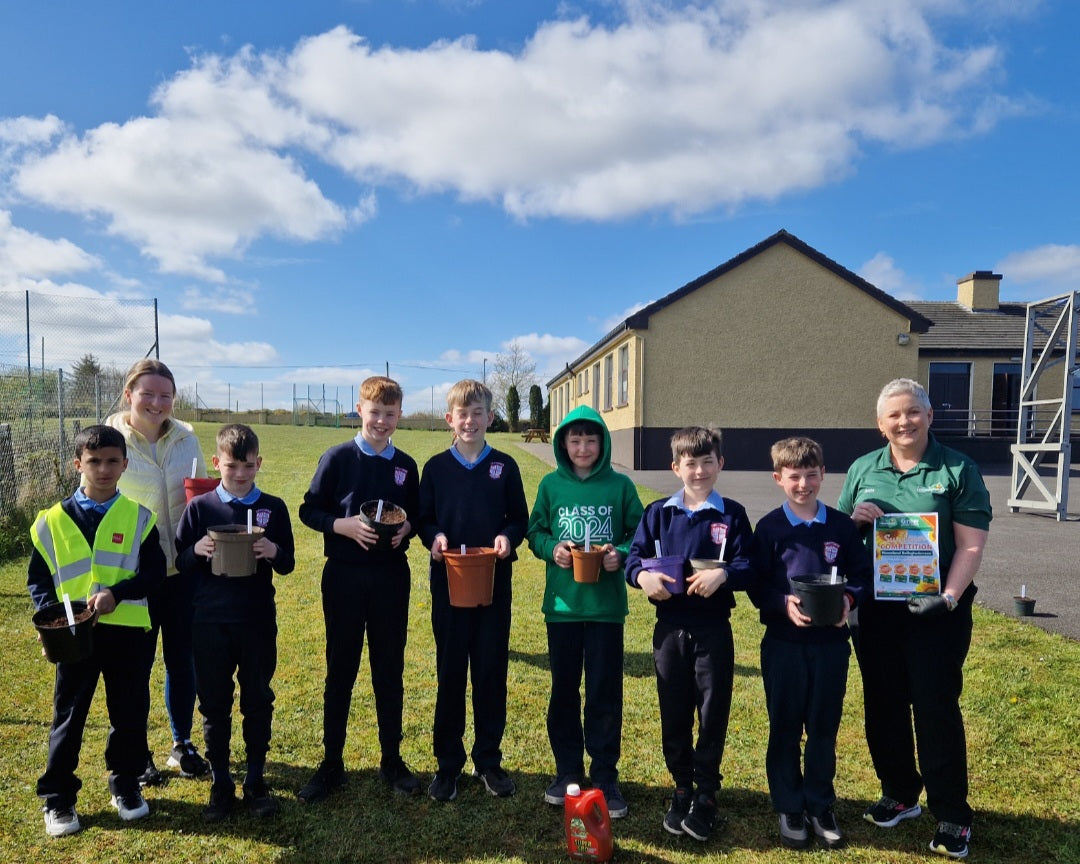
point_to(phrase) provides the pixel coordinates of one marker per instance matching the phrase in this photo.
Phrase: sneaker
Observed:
(951, 839)
(616, 804)
(680, 807)
(827, 831)
(443, 786)
(556, 792)
(151, 776)
(793, 833)
(396, 774)
(131, 806)
(701, 819)
(222, 802)
(259, 801)
(496, 781)
(888, 812)
(328, 777)
(187, 759)
(60, 821)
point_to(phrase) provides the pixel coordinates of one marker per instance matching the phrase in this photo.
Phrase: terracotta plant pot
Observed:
(821, 598)
(198, 485)
(233, 552)
(62, 642)
(670, 565)
(470, 578)
(1023, 606)
(587, 564)
(389, 521)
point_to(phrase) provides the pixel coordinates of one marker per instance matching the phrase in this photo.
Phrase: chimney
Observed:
(979, 291)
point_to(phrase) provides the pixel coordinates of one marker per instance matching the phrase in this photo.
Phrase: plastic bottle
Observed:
(588, 825)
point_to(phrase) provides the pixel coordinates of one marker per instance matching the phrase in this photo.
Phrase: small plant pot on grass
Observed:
(1023, 606)
(388, 523)
(62, 642)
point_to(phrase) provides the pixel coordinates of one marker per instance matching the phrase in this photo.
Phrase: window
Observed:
(596, 386)
(624, 374)
(607, 382)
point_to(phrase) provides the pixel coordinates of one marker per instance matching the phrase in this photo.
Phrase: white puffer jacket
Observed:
(158, 483)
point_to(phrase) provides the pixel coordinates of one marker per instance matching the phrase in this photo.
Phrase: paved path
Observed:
(1025, 548)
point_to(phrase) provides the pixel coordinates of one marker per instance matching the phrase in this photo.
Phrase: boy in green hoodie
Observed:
(584, 497)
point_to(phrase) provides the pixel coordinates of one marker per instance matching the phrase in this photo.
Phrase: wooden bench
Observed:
(533, 434)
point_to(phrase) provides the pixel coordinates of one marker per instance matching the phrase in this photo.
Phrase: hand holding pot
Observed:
(794, 613)
(612, 559)
(562, 556)
(103, 602)
(654, 584)
(502, 546)
(264, 548)
(705, 583)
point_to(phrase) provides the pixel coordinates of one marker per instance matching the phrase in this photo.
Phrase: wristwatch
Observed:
(950, 601)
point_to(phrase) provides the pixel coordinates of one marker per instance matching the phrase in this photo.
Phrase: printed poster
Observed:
(906, 557)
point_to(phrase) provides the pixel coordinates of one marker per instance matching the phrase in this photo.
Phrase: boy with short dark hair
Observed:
(365, 588)
(693, 649)
(584, 497)
(234, 629)
(804, 668)
(100, 545)
(471, 495)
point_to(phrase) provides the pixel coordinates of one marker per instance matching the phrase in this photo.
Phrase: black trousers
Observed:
(358, 600)
(805, 683)
(470, 642)
(247, 650)
(597, 649)
(695, 669)
(913, 674)
(121, 659)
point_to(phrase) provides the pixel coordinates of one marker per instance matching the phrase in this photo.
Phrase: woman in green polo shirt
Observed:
(911, 654)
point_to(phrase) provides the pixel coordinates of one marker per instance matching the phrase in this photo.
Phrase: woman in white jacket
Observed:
(162, 451)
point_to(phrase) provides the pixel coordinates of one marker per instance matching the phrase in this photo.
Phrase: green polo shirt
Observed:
(945, 482)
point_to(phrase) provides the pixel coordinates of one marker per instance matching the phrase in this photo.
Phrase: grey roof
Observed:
(959, 330)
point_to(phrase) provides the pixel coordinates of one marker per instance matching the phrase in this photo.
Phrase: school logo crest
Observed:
(262, 518)
(495, 471)
(832, 552)
(399, 476)
(718, 531)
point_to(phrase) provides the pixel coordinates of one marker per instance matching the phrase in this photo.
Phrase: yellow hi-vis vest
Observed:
(80, 571)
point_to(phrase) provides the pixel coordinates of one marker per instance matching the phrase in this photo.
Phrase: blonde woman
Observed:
(161, 452)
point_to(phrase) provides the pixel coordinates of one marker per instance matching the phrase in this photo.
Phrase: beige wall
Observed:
(778, 341)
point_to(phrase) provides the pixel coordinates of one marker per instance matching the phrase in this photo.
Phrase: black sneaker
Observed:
(951, 839)
(443, 786)
(396, 774)
(259, 801)
(131, 806)
(701, 819)
(613, 797)
(827, 831)
(680, 807)
(556, 792)
(888, 812)
(222, 802)
(187, 759)
(151, 776)
(793, 833)
(496, 781)
(328, 777)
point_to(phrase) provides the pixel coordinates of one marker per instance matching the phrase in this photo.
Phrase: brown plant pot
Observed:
(821, 598)
(233, 552)
(470, 578)
(389, 522)
(587, 564)
(198, 485)
(62, 642)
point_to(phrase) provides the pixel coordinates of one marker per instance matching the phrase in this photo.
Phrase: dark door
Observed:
(1005, 399)
(950, 396)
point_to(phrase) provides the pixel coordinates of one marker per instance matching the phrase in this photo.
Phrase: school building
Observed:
(782, 340)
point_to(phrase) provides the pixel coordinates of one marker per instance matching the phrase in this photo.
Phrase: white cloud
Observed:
(229, 300)
(677, 108)
(610, 323)
(881, 272)
(26, 255)
(1049, 265)
(539, 346)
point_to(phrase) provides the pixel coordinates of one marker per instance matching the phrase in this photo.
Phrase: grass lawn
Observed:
(1021, 704)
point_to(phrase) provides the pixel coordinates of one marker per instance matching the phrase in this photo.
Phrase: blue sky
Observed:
(318, 191)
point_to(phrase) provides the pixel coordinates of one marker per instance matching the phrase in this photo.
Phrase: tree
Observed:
(536, 407)
(87, 369)
(516, 369)
(513, 408)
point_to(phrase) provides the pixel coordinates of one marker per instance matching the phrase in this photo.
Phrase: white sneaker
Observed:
(131, 807)
(60, 821)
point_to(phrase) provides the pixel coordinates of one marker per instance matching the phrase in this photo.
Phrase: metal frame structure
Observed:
(1044, 425)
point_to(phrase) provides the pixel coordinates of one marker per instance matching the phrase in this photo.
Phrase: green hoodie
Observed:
(609, 503)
